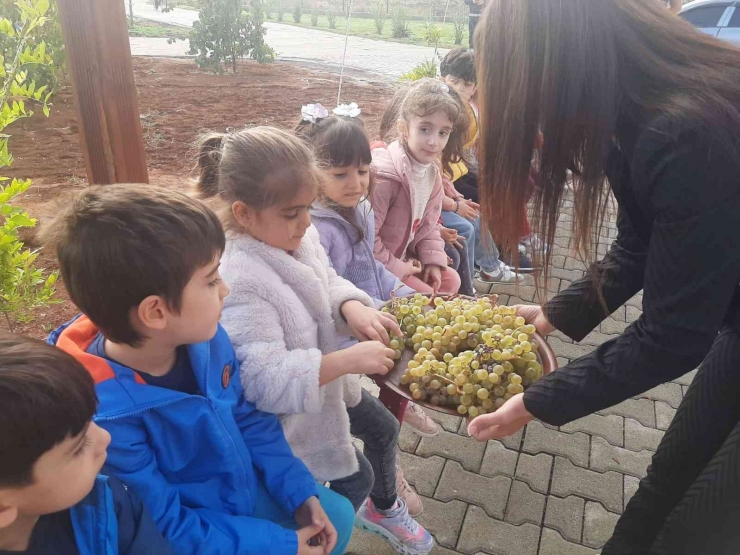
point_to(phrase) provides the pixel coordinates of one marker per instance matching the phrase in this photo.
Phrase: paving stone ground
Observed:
(545, 490)
(548, 490)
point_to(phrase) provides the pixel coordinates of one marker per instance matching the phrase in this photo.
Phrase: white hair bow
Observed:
(314, 112)
(347, 110)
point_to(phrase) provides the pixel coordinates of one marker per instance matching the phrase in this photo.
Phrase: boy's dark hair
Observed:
(460, 63)
(118, 244)
(46, 396)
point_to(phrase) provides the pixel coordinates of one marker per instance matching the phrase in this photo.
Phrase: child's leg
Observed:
(486, 252)
(450, 282)
(466, 276)
(464, 228)
(371, 422)
(356, 487)
(337, 508)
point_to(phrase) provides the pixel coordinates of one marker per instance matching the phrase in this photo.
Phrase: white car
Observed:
(719, 18)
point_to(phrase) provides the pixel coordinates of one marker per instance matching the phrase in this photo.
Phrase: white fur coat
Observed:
(282, 315)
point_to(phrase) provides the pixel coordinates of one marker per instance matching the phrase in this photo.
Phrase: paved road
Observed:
(296, 43)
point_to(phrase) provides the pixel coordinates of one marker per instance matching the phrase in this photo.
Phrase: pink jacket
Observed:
(393, 201)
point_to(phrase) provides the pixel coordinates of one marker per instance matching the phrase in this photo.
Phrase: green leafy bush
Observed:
(379, 16)
(314, 17)
(297, 12)
(459, 21)
(431, 33)
(280, 9)
(23, 287)
(331, 16)
(225, 33)
(427, 68)
(400, 22)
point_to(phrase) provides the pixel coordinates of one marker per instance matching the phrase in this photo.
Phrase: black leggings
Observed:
(689, 501)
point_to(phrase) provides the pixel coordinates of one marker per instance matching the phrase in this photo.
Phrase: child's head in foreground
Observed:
(142, 263)
(343, 152)
(50, 450)
(429, 120)
(268, 178)
(458, 71)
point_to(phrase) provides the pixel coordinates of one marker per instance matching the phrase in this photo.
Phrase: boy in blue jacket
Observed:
(217, 474)
(52, 499)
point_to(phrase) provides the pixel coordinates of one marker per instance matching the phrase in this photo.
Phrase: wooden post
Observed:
(99, 59)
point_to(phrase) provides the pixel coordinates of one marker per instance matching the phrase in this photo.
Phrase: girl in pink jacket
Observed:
(407, 200)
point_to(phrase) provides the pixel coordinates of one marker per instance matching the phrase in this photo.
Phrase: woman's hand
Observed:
(534, 315)
(507, 420)
(368, 324)
(413, 267)
(468, 210)
(432, 276)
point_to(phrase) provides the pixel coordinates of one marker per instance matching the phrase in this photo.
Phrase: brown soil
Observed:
(177, 102)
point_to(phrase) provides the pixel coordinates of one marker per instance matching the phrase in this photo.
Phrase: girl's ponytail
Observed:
(209, 162)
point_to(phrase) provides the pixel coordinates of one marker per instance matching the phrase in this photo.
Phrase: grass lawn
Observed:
(146, 28)
(365, 27)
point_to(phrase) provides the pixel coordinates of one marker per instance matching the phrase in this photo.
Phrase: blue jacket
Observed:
(195, 460)
(112, 521)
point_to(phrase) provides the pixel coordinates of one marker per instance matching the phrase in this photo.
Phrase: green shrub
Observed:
(314, 17)
(400, 22)
(297, 12)
(427, 68)
(379, 16)
(459, 21)
(23, 287)
(225, 33)
(280, 9)
(431, 33)
(331, 15)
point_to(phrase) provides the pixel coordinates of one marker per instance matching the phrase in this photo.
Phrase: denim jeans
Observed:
(371, 422)
(460, 263)
(483, 251)
(335, 506)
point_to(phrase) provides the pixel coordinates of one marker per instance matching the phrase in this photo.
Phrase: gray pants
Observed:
(371, 422)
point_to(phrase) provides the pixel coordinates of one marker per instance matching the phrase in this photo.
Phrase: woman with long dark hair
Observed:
(632, 100)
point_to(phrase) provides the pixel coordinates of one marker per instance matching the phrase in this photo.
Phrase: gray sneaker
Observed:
(502, 274)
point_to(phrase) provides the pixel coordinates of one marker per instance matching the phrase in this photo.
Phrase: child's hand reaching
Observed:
(413, 267)
(368, 324)
(433, 277)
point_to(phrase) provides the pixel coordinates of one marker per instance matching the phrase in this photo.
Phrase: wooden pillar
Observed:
(99, 60)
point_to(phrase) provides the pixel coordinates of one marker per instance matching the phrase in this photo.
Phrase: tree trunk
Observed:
(131, 10)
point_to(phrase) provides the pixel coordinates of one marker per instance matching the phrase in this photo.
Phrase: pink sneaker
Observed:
(419, 421)
(396, 526)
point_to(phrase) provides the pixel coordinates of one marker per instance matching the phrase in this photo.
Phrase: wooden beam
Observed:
(99, 60)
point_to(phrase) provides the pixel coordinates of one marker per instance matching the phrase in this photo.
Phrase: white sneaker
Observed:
(502, 274)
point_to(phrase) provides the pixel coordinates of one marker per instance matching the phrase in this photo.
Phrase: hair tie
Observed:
(314, 112)
(347, 110)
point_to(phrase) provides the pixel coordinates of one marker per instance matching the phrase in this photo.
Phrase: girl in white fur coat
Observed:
(286, 309)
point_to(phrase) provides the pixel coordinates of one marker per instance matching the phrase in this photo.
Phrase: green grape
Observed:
(441, 322)
(515, 379)
(483, 393)
(481, 374)
(413, 387)
(473, 412)
(395, 344)
(468, 389)
(460, 379)
(397, 354)
(462, 334)
(519, 321)
(426, 344)
(495, 379)
(448, 357)
(499, 391)
(487, 404)
(511, 388)
(451, 389)
(498, 403)
(466, 400)
(462, 409)
(435, 384)
(499, 369)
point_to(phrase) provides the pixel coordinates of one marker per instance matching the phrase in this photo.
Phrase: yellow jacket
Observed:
(460, 169)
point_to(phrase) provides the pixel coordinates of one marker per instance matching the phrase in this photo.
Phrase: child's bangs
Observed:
(345, 145)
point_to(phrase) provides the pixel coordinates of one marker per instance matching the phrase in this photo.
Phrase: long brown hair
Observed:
(579, 70)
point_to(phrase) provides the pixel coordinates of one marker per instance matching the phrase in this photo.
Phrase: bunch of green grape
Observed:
(469, 353)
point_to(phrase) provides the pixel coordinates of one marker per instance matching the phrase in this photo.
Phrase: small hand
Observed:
(309, 541)
(450, 236)
(433, 277)
(413, 267)
(507, 420)
(367, 323)
(311, 513)
(533, 314)
(467, 210)
(369, 358)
